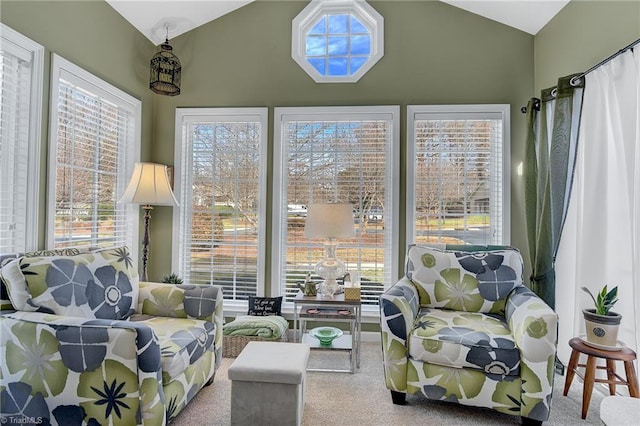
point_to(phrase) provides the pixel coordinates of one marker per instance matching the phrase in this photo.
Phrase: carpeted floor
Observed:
(362, 399)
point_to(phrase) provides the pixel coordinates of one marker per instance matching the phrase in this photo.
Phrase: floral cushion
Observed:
(462, 280)
(470, 340)
(101, 284)
(5, 302)
(177, 301)
(182, 341)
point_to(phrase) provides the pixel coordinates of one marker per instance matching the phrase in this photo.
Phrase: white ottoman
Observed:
(620, 411)
(267, 384)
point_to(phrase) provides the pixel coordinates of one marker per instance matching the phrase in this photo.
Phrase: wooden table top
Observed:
(336, 299)
(624, 354)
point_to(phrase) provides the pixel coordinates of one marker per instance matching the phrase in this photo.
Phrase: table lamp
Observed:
(149, 185)
(329, 221)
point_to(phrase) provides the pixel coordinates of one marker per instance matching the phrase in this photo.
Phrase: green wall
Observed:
(581, 35)
(434, 54)
(94, 36)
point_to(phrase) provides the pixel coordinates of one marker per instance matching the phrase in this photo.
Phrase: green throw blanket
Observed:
(267, 327)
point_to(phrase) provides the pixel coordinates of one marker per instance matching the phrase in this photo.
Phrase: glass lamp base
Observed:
(330, 269)
(328, 287)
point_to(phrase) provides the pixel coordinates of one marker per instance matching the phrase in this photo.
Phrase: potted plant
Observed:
(171, 279)
(601, 322)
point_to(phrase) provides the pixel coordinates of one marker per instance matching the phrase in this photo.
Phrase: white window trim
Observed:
(478, 111)
(316, 113)
(35, 131)
(305, 20)
(187, 115)
(62, 68)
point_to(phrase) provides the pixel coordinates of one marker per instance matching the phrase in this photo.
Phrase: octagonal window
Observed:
(336, 40)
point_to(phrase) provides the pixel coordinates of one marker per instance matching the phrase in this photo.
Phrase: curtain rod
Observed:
(604, 61)
(596, 66)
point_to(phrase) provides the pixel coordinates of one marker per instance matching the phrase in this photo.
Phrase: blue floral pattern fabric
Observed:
(18, 404)
(461, 327)
(67, 359)
(459, 339)
(464, 281)
(176, 301)
(182, 342)
(5, 302)
(142, 369)
(101, 284)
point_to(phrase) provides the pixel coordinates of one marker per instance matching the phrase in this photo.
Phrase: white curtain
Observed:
(601, 240)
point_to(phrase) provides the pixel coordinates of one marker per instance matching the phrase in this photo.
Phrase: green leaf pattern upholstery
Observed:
(100, 284)
(200, 302)
(66, 369)
(5, 302)
(462, 327)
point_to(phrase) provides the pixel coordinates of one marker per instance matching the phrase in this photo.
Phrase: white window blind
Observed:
(95, 141)
(220, 182)
(21, 73)
(458, 174)
(345, 155)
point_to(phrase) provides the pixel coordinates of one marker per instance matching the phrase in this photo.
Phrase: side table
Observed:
(329, 309)
(625, 355)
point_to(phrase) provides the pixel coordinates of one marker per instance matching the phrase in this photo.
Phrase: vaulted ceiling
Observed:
(153, 17)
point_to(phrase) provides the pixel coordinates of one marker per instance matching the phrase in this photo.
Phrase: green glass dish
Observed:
(325, 335)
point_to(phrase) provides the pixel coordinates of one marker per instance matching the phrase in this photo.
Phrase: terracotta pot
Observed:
(602, 329)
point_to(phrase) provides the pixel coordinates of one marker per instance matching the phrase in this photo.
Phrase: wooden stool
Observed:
(625, 354)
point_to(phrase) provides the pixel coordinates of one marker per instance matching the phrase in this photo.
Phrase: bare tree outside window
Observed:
(458, 175)
(94, 148)
(340, 160)
(220, 203)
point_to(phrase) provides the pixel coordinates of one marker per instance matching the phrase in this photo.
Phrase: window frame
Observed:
(332, 113)
(184, 115)
(476, 111)
(34, 142)
(61, 67)
(314, 11)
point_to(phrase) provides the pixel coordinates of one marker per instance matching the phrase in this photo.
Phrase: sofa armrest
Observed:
(112, 367)
(203, 302)
(399, 307)
(179, 300)
(534, 326)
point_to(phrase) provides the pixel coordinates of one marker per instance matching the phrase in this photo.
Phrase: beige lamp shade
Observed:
(149, 185)
(329, 221)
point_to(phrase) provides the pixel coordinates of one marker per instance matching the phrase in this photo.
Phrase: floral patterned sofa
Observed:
(460, 326)
(83, 342)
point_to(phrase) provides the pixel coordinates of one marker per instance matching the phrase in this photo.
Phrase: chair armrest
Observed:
(533, 323)
(203, 302)
(80, 359)
(534, 326)
(399, 307)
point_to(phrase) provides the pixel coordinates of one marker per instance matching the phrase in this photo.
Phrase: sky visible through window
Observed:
(338, 45)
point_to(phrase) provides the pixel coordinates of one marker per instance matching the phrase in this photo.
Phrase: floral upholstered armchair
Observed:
(460, 326)
(83, 342)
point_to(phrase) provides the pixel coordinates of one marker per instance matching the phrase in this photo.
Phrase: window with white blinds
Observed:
(21, 75)
(345, 155)
(458, 174)
(94, 143)
(221, 188)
